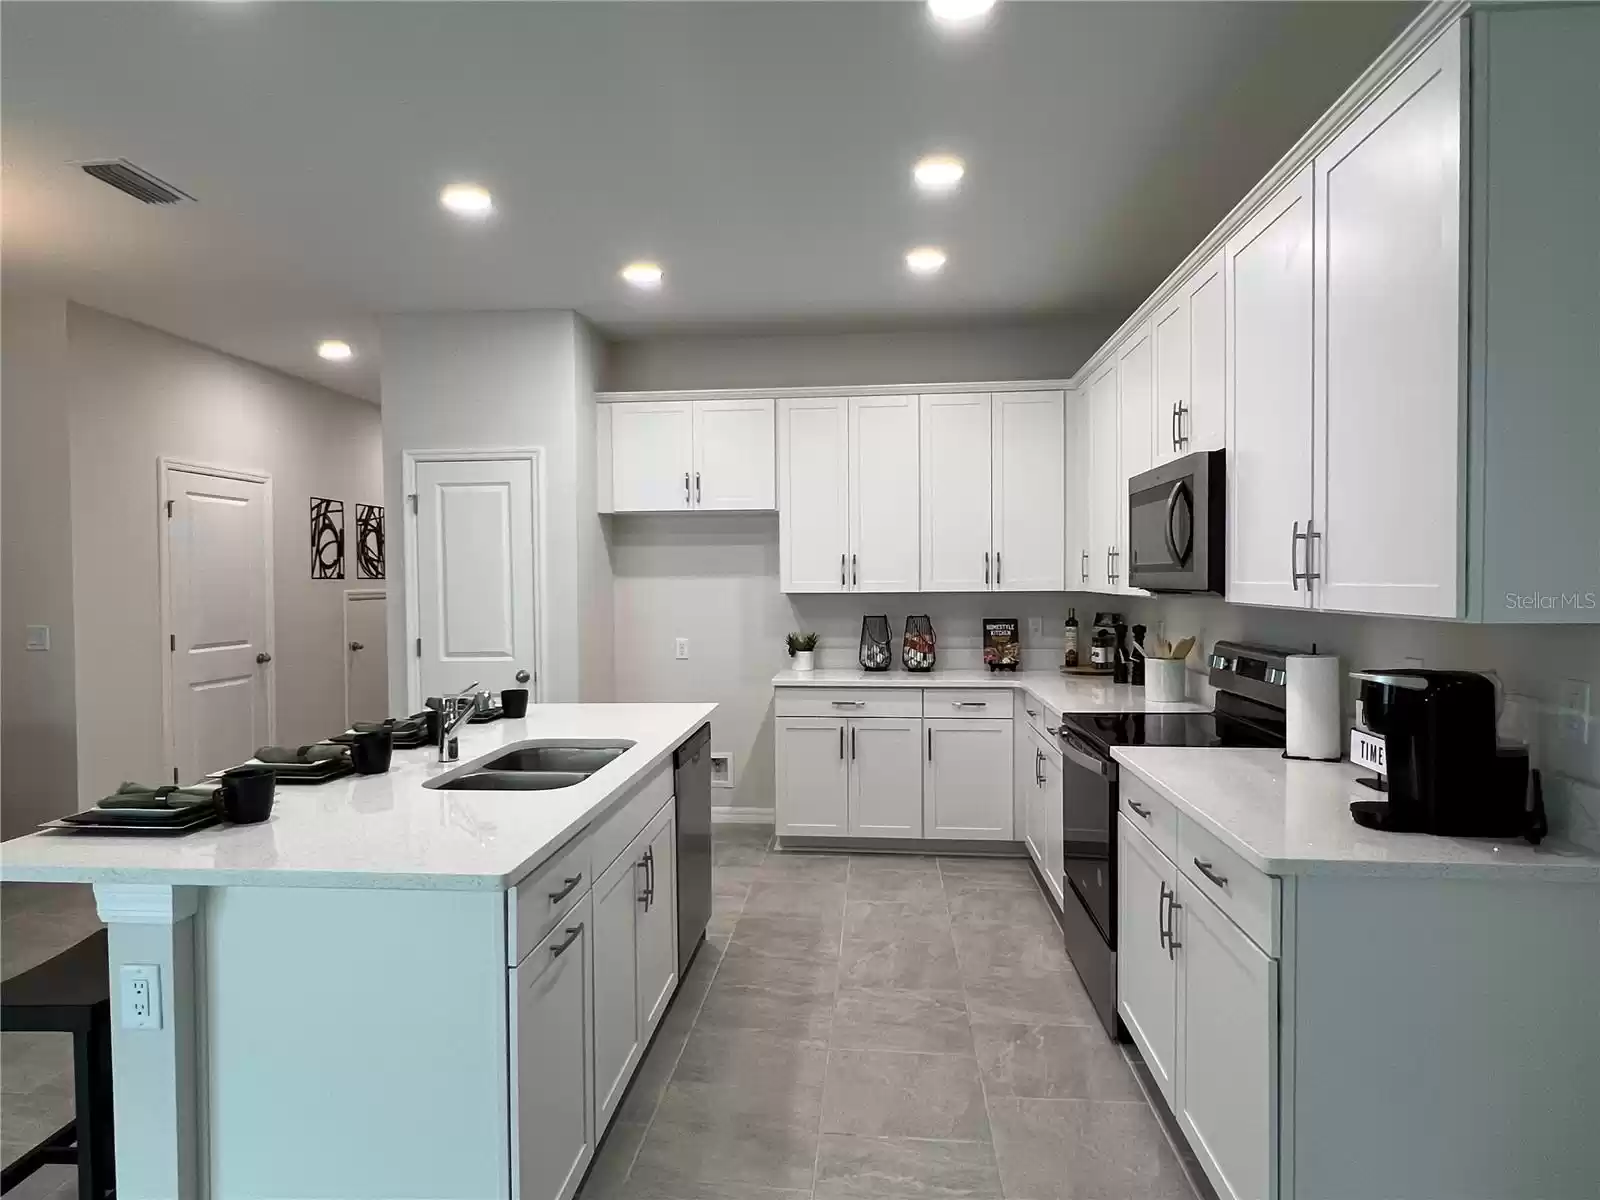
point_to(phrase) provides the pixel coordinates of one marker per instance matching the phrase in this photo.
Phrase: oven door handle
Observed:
(1087, 761)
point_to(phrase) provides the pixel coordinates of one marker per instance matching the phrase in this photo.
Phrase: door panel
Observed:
(813, 783)
(475, 573)
(657, 951)
(1135, 437)
(219, 548)
(1104, 498)
(1029, 491)
(813, 494)
(652, 456)
(885, 495)
(1077, 483)
(1171, 338)
(955, 469)
(1268, 273)
(966, 781)
(885, 778)
(1202, 423)
(1390, 316)
(1052, 824)
(617, 1020)
(734, 456)
(1147, 975)
(366, 656)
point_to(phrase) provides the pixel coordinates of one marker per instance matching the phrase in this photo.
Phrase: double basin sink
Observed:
(542, 765)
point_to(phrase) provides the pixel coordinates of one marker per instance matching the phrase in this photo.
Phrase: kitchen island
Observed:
(391, 988)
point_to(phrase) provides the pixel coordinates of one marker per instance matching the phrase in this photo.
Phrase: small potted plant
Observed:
(803, 649)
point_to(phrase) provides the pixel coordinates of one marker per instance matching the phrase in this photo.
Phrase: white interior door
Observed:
(366, 656)
(734, 456)
(1268, 273)
(652, 457)
(475, 582)
(219, 591)
(885, 495)
(956, 548)
(813, 494)
(1029, 491)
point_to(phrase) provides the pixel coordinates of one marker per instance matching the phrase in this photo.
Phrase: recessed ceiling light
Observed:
(925, 260)
(959, 12)
(335, 351)
(938, 172)
(467, 200)
(646, 275)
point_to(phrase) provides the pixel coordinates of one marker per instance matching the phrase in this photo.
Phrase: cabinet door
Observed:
(1029, 498)
(734, 456)
(1147, 975)
(1105, 497)
(618, 898)
(1135, 436)
(1051, 824)
(1170, 335)
(1029, 784)
(1201, 424)
(966, 779)
(1390, 323)
(1227, 1048)
(652, 457)
(885, 777)
(955, 436)
(552, 1098)
(813, 785)
(813, 494)
(656, 952)
(1077, 490)
(1267, 270)
(885, 495)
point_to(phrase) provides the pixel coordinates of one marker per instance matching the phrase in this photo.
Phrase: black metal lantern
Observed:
(917, 648)
(874, 654)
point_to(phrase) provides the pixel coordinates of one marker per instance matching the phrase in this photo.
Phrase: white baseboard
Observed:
(742, 816)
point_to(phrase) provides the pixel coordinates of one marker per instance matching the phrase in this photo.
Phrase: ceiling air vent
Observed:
(135, 181)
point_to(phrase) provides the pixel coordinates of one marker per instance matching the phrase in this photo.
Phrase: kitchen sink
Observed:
(584, 755)
(512, 781)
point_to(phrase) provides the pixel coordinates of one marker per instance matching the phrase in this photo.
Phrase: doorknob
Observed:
(357, 646)
(263, 658)
(522, 677)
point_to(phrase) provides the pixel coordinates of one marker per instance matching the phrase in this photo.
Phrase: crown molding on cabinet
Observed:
(819, 393)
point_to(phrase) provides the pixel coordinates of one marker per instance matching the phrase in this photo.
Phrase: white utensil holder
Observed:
(1165, 680)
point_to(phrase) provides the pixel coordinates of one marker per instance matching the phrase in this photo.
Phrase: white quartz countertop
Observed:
(1293, 818)
(387, 831)
(1064, 693)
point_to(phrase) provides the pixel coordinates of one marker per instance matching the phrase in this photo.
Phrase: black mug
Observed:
(245, 796)
(514, 703)
(370, 752)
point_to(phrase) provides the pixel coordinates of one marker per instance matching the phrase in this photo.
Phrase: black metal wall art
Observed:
(369, 541)
(327, 538)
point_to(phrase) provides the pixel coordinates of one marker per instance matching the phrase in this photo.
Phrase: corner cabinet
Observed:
(687, 456)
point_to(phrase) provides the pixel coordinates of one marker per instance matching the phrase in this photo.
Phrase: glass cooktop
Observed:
(1105, 730)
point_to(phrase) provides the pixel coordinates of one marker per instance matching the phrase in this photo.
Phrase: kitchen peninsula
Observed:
(393, 988)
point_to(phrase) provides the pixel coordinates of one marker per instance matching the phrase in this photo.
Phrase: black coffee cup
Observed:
(514, 703)
(370, 752)
(246, 794)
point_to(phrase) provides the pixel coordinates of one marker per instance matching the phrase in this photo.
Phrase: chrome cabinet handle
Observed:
(1038, 769)
(1085, 566)
(570, 882)
(573, 933)
(1294, 556)
(985, 568)
(848, 703)
(1055, 732)
(697, 487)
(971, 704)
(852, 743)
(1312, 537)
(930, 745)
(997, 568)
(841, 743)
(1206, 869)
(686, 496)
(650, 866)
(1140, 809)
(1174, 426)
(1173, 944)
(1161, 914)
(1031, 713)
(841, 570)
(1183, 427)
(855, 576)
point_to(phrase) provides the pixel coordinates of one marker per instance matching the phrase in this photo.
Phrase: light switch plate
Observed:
(1035, 627)
(38, 638)
(1574, 702)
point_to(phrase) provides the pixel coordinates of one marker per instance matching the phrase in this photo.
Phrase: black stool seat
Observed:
(70, 993)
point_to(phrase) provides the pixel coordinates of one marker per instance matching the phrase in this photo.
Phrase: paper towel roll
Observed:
(1314, 724)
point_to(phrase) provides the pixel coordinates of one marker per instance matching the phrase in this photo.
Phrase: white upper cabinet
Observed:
(733, 455)
(957, 555)
(1268, 272)
(1190, 350)
(1171, 334)
(652, 457)
(1388, 401)
(885, 495)
(1029, 506)
(1135, 437)
(1076, 492)
(1105, 497)
(813, 494)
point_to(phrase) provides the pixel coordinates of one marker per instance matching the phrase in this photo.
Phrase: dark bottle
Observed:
(1069, 639)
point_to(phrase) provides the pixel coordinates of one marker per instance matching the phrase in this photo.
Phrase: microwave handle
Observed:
(1178, 556)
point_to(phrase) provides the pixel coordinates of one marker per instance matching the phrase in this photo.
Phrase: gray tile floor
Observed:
(888, 1027)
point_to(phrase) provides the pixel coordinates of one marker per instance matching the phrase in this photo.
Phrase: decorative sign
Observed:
(327, 538)
(1368, 751)
(369, 541)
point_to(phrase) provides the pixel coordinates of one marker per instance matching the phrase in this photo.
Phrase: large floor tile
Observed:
(714, 1134)
(815, 937)
(898, 880)
(904, 1169)
(806, 1017)
(742, 967)
(762, 1065)
(1053, 1062)
(612, 1162)
(880, 1093)
(30, 1060)
(1040, 998)
(960, 873)
(901, 946)
(1084, 1150)
(651, 1077)
(655, 1186)
(878, 1019)
(1011, 908)
(733, 853)
(803, 866)
(792, 898)
(985, 950)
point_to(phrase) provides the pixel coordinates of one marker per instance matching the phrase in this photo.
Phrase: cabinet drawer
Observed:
(610, 835)
(1249, 898)
(966, 702)
(1149, 813)
(537, 902)
(847, 702)
(1037, 713)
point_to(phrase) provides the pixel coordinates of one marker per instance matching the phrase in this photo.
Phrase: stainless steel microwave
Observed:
(1176, 526)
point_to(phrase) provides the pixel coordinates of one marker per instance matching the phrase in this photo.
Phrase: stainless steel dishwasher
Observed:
(691, 769)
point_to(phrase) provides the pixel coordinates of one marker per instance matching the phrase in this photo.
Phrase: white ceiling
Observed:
(761, 151)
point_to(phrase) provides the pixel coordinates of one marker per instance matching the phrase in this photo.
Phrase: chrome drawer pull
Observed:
(573, 934)
(1205, 869)
(1141, 810)
(571, 881)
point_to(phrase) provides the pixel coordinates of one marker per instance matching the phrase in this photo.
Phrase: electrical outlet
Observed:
(38, 638)
(141, 996)
(1035, 627)
(680, 648)
(1574, 703)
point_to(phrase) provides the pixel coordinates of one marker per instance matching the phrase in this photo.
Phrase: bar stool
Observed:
(70, 993)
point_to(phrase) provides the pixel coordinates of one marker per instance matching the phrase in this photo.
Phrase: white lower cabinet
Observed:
(1052, 822)
(1028, 806)
(1147, 972)
(966, 779)
(618, 904)
(552, 1039)
(813, 782)
(885, 777)
(656, 947)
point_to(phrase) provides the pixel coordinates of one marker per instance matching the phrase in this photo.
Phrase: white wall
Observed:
(138, 394)
(596, 643)
(1041, 349)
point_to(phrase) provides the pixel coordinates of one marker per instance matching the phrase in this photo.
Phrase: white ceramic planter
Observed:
(1164, 680)
(805, 660)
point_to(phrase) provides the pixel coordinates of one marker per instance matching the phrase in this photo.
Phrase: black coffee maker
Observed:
(1447, 772)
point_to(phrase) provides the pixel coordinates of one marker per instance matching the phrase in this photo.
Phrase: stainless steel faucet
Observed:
(454, 711)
